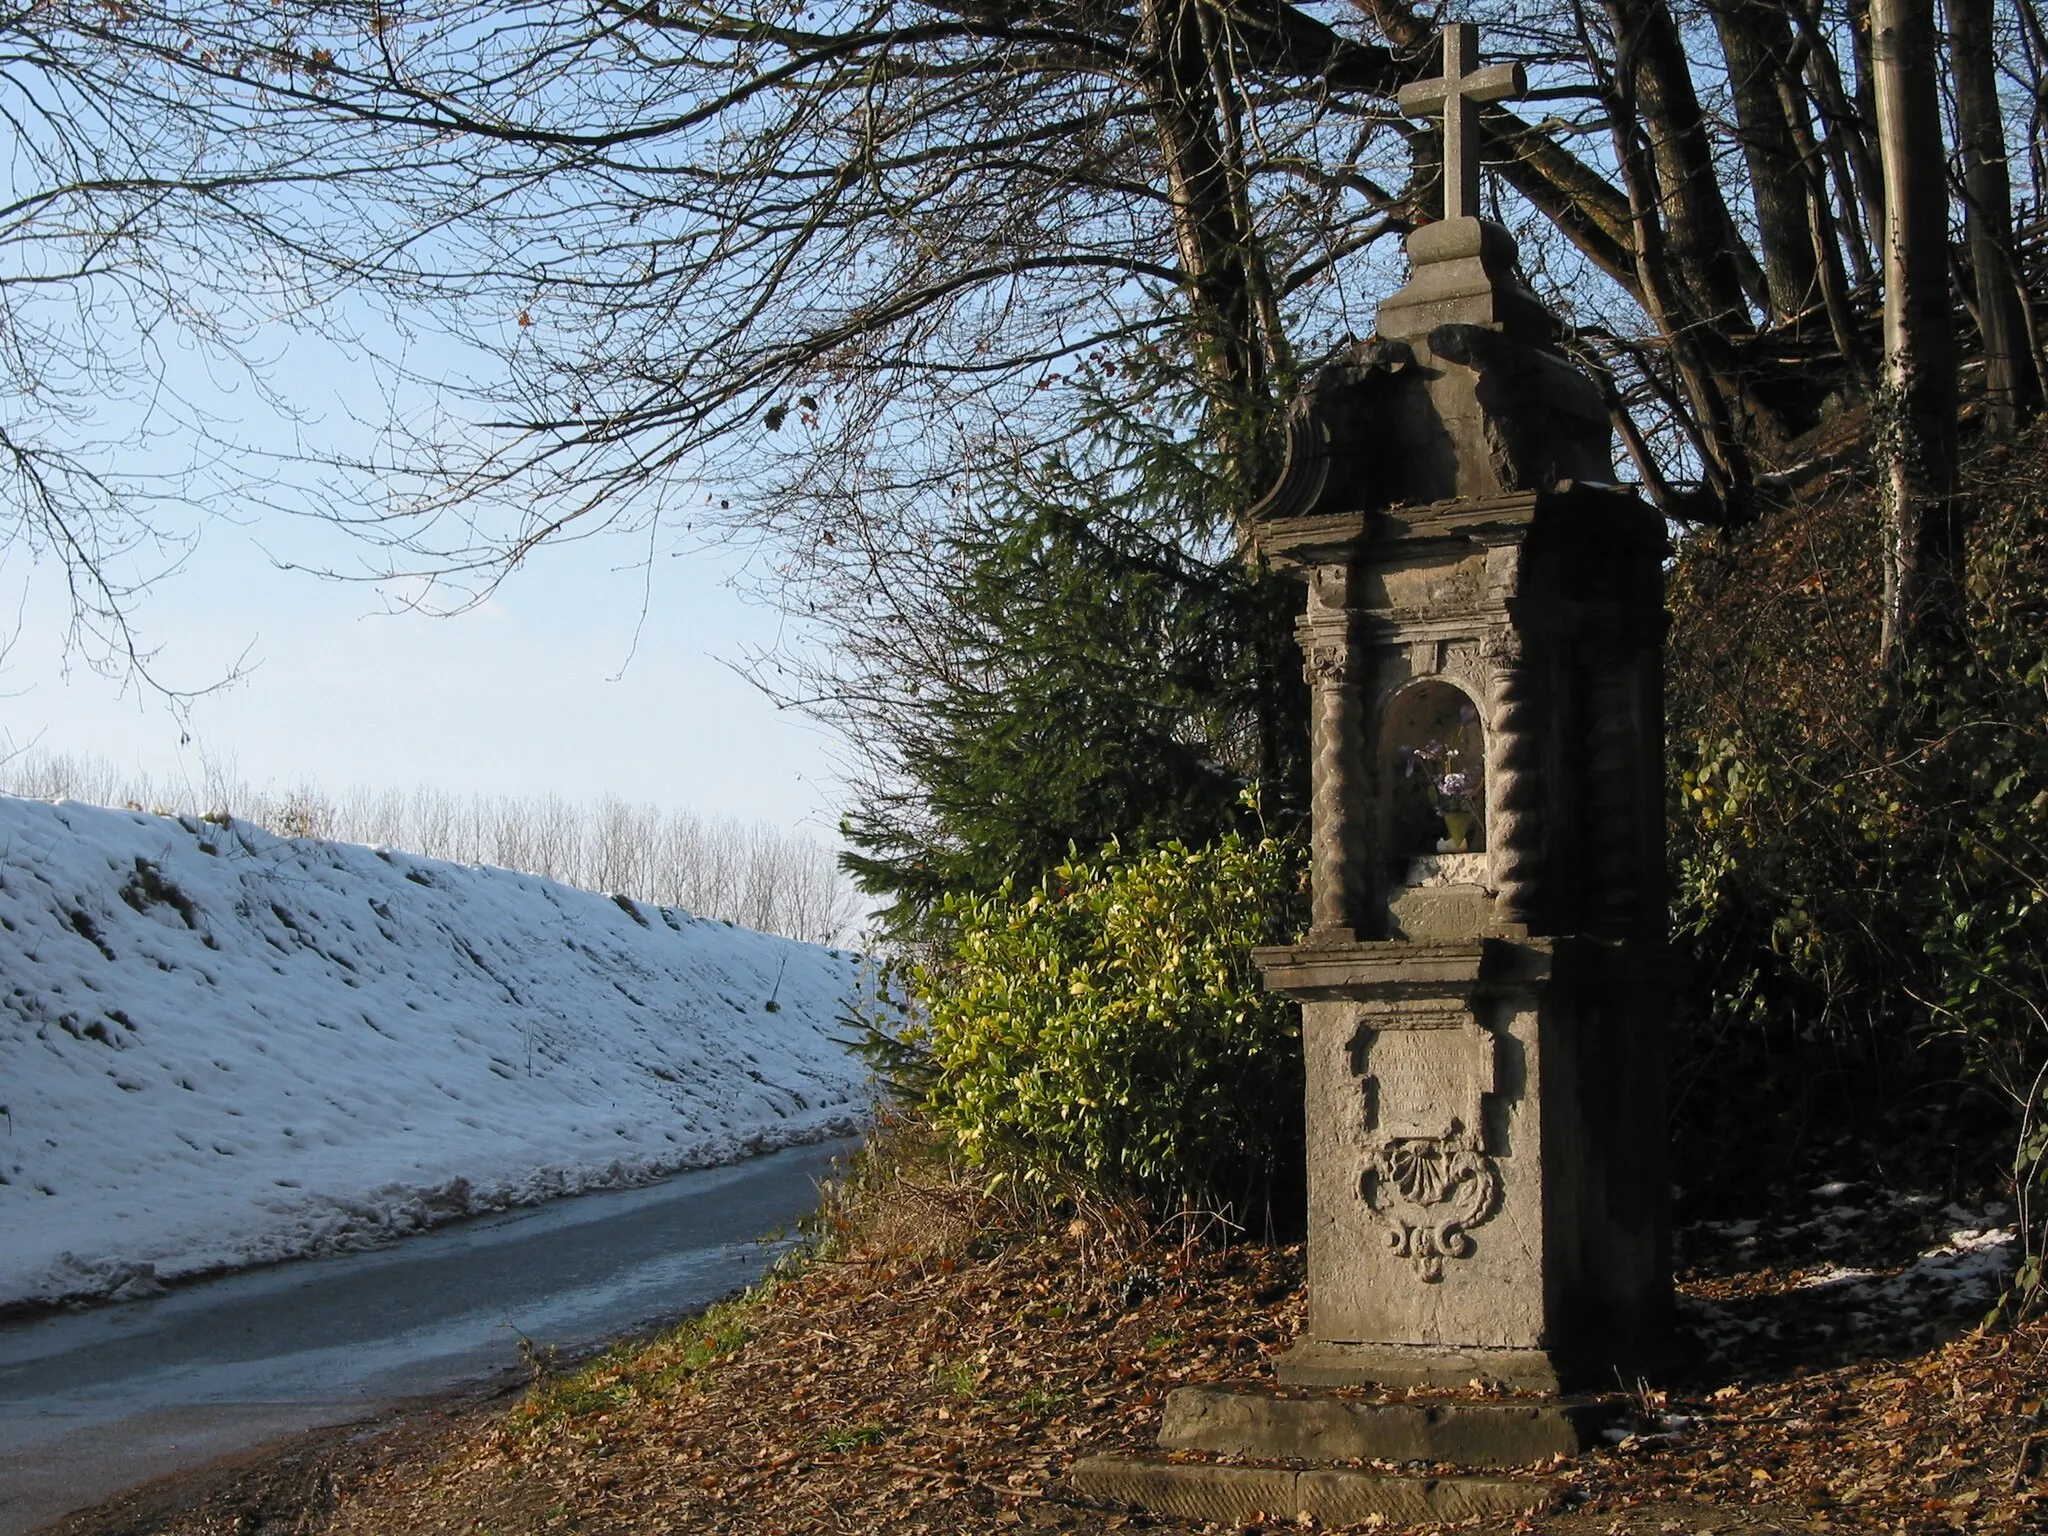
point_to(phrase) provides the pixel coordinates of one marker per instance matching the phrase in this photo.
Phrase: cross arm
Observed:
(1497, 82)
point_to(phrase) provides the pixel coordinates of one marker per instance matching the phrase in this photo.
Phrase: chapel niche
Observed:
(1433, 764)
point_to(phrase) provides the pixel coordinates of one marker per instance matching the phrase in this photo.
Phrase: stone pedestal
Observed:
(1485, 1197)
(1325, 1427)
(1334, 1496)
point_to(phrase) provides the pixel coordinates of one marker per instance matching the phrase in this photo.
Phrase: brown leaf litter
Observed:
(906, 1385)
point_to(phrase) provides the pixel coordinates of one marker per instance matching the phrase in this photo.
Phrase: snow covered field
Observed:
(220, 1047)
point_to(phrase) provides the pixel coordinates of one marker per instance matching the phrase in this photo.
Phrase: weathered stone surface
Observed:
(1335, 1496)
(1253, 1421)
(1464, 274)
(1485, 1189)
(1541, 614)
(1485, 1123)
(1461, 396)
(1321, 1363)
(1483, 1031)
(1422, 913)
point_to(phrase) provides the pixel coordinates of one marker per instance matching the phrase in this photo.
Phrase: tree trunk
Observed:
(1866, 114)
(1827, 248)
(1700, 355)
(1213, 244)
(2011, 383)
(1850, 128)
(1277, 352)
(1918, 411)
(1757, 41)
(1699, 236)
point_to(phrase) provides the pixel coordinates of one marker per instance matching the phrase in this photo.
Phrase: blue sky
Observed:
(541, 688)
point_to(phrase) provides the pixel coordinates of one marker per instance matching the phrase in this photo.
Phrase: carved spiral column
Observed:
(1339, 860)
(1335, 764)
(1514, 779)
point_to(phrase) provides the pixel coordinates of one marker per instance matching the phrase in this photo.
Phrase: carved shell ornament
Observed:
(1429, 1190)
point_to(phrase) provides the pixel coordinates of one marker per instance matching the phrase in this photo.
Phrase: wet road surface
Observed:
(97, 1401)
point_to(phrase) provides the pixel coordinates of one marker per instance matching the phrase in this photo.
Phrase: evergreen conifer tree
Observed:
(1113, 667)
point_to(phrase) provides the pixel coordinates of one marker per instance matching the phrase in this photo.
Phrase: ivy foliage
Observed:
(1106, 1028)
(1860, 854)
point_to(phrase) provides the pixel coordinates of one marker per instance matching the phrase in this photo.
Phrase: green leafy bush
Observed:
(1109, 1030)
(1860, 855)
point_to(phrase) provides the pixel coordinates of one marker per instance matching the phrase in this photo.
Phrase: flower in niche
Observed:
(1436, 769)
(1454, 794)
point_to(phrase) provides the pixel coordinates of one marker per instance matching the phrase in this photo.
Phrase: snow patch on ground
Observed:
(1968, 1270)
(220, 1048)
(1847, 1295)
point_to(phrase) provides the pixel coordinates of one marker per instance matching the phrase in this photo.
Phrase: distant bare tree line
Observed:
(748, 873)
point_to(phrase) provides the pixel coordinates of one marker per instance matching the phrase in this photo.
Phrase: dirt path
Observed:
(930, 1388)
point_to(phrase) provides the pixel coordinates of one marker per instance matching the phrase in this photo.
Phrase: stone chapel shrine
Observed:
(1481, 985)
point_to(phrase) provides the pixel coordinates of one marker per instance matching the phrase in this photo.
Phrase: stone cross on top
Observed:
(1456, 96)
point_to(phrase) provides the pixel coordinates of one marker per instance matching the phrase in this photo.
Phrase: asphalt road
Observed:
(97, 1401)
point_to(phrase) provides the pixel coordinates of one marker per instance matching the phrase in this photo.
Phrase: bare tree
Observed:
(747, 873)
(2011, 378)
(791, 270)
(1922, 537)
(780, 250)
(145, 226)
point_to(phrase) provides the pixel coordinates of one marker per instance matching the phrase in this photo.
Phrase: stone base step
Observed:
(1252, 1419)
(1334, 1495)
